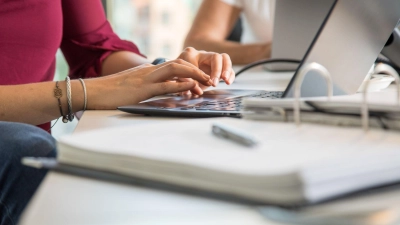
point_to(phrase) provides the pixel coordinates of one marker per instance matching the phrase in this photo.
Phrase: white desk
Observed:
(65, 199)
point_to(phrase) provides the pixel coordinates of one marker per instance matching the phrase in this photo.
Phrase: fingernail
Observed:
(216, 81)
(225, 75)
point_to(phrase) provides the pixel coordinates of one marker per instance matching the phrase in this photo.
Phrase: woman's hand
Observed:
(124, 88)
(140, 83)
(218, 66)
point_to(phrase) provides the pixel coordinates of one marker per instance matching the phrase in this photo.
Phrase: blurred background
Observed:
(157, 27)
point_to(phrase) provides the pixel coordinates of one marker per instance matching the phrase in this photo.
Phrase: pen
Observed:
(234, 134)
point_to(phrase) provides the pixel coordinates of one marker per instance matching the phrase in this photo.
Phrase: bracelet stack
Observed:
(58, 94)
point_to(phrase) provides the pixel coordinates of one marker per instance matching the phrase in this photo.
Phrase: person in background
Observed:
(112, 71)
(215, 20)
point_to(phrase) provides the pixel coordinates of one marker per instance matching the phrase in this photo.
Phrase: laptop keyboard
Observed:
(231, 104)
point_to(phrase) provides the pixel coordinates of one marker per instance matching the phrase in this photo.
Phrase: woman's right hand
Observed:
(140, 83)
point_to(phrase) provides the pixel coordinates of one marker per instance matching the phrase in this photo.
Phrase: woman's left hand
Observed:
(218, 66)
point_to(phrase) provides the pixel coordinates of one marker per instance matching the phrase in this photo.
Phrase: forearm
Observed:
(35, 103)
(120, 61)
(239, 53)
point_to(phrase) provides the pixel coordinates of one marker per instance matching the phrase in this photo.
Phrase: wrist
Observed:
(99, 92)
(77, 96)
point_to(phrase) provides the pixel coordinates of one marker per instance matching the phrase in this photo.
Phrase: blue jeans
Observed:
(18, 183)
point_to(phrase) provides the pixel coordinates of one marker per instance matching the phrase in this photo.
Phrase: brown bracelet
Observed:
(58, 95)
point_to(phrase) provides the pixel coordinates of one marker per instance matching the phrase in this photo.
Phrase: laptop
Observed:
(295, 25)
(347, 44)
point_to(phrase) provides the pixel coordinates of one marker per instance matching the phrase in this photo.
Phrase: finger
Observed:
(226, 67)
(232, 77)
(196, 90)
(179, 61)
(190, 55)
(186, 93)
(176, 70)
(172, 87)
(216, 68)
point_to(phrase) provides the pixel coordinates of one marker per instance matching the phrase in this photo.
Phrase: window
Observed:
(166, 50)
(152, 24)
(165, 18)
(143, 13)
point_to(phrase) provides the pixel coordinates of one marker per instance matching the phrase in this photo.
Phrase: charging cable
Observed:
(266, 61)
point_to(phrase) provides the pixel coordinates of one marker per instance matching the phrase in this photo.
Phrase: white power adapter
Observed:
(380, 76)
